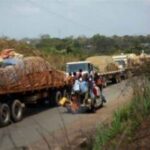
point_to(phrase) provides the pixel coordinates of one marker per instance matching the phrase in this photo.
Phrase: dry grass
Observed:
(101, 62)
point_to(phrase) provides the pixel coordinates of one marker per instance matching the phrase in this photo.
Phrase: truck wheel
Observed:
(16, 111)
(66, 94)
(4, 114)
(114, 80)
(58, 97)
(117, 80)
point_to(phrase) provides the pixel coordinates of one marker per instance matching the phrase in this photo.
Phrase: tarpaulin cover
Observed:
(32, 73)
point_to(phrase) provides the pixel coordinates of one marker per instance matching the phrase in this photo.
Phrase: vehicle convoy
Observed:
(114, 68)
(30, 80)
(25, 80)
(89, 67)
(131, 62)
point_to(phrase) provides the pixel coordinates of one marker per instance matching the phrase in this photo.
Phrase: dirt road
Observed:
(47, 128)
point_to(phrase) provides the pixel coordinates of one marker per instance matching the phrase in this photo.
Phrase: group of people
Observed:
(83, 86)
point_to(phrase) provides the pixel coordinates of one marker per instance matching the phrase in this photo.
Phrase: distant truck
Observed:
(131, 60)
(88, 67)
(32, 80)
(121, 61)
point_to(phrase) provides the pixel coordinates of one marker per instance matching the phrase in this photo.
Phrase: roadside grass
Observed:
(125, 120)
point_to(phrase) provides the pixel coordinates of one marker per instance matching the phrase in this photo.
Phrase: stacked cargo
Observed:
(104, 63)
(26, 74)
(25, 80)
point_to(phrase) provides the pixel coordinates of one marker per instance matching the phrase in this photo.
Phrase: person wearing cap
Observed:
(74, 102)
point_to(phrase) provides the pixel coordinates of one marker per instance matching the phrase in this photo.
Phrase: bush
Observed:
(127, 118)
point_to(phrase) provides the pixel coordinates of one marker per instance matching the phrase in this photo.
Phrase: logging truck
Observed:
(31, 80)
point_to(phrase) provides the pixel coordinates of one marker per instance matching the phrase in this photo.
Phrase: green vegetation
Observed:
(58, 51)
(127, 119)
(97, 44)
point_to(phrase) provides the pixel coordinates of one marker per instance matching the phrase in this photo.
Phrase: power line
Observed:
(61, 16)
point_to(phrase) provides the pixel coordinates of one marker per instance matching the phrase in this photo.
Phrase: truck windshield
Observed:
(121, 62)
(76, 67)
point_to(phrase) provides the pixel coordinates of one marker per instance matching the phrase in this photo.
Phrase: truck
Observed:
(85, 66)
(121, 60)
(92, 102)
(30, 81)
(88, 67)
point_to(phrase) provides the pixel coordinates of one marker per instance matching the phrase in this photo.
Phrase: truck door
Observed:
(90, 68)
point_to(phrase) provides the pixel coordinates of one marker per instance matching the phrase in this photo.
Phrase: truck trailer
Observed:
(32, 80)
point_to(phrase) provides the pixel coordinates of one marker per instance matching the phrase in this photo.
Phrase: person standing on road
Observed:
(69, 82)
(84, 87)
(80, 73)
(76, 85)
(99, 82)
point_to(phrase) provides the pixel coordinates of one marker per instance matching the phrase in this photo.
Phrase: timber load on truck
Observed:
(26, 80)
(31, 73)
(108, 68)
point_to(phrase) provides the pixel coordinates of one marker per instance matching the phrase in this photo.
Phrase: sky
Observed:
(63, 18)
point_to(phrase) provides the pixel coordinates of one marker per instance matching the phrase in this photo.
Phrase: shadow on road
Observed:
(32, 109)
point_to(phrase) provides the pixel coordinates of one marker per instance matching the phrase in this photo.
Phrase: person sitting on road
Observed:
(74, 104)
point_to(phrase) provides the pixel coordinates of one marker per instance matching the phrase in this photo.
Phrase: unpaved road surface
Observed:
(54, 126)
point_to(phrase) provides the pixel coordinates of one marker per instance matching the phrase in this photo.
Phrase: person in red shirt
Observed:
(99, 82)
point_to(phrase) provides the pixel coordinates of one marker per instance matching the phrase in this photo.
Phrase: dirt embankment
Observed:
(142, 136)
(141, 139)
(138, 141)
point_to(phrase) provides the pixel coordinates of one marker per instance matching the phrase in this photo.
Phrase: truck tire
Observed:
(58, 96)
(114, 80)
(4, 114)
(66, 94)
(16, 111)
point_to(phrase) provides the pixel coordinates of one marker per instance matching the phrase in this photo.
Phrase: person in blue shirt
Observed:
(84, 88)
(76, 86)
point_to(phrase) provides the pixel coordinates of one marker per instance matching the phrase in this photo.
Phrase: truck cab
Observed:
(121, 61)
(85, 66)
